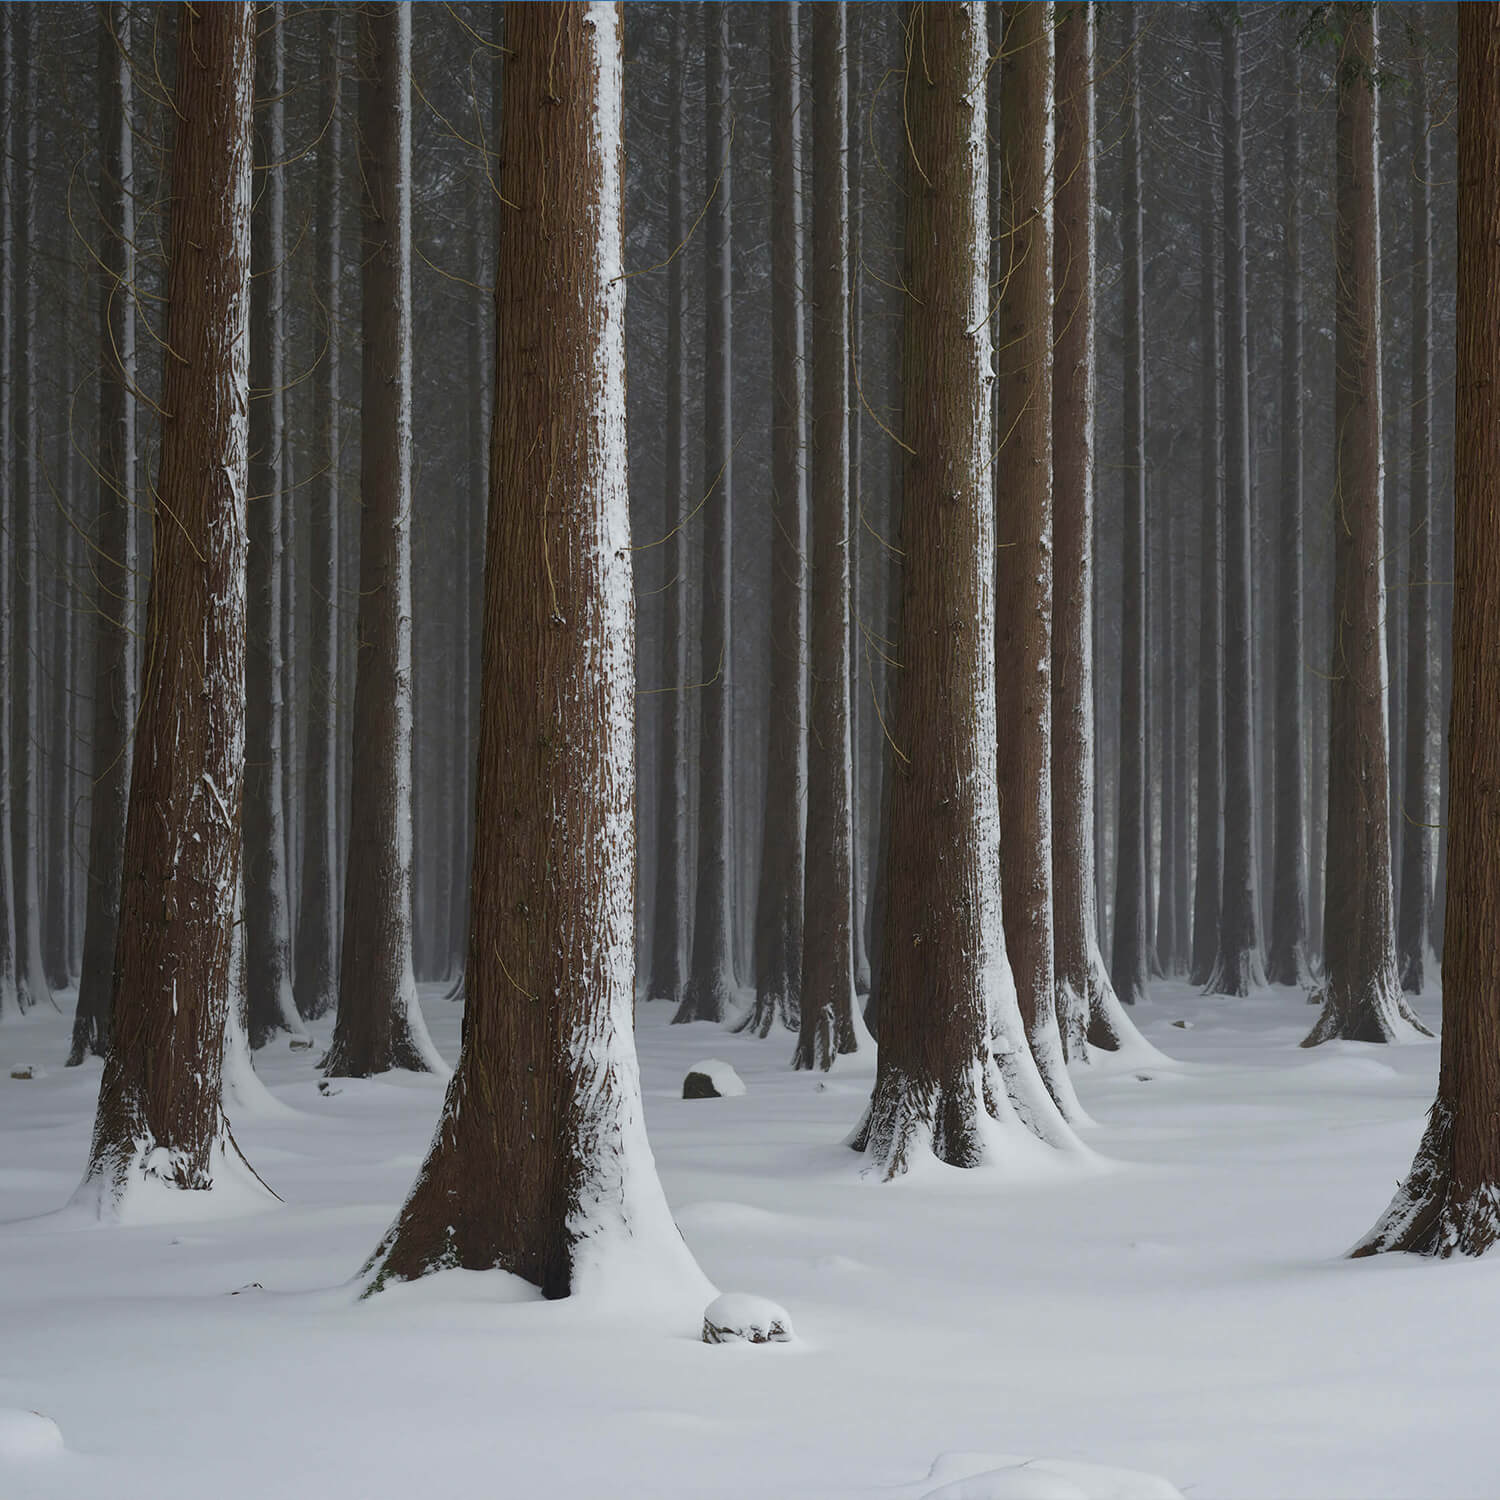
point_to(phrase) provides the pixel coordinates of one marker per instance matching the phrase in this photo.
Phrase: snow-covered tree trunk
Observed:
(1023, 495)
(160, 1125)
(9, 907)
(380, 1023)
(1362, 999)
(708, 993)
(1450, 1201)
(113, 557)
(317, 922)
(540, 1165)
(672, 915)
(830, 1020)
(268, 939)
(779, 907)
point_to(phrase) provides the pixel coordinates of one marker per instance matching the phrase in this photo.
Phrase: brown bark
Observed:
(540, 1165)
(113, 557)
(380, 1023)
(160, 1116)
(1023, 494)
(1448, 1203)
(779, 907)
(829, 1024)
(1362, 998)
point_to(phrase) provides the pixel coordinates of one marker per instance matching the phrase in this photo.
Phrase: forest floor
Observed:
(1178, 1306)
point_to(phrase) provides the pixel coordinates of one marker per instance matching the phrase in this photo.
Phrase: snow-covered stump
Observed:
(740, 1318)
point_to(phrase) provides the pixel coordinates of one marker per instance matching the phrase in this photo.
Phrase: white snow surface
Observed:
(1183, 1311)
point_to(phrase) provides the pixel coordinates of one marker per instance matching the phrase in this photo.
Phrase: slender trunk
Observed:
(1414, 946)
(268, 947)
(672, 917)
(1171, 793)
(160, 1124)
(380, 1023)
(1362, 998)
(779, 909)
(113, 557)
(10, 106)
(708, 993)
(1447, 1205)
(1129, 956)
(1238, 968)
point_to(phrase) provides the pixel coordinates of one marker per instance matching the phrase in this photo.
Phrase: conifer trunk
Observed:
(10, 996)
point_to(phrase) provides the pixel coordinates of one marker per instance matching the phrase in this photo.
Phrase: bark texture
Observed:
(160, 1119)
(10, 997)
(1450, 1201)
(1361, 998)
(380, 1023)
(540, 1165)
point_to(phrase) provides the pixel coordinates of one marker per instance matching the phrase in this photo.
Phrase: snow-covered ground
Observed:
(1178, 1306)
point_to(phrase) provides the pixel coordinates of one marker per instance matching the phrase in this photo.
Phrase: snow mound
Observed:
(985, 1476)
(712, 1079)
(28, 1434)
(737, 1317)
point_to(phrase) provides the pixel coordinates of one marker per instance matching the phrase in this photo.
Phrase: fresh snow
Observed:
(1183, 1309)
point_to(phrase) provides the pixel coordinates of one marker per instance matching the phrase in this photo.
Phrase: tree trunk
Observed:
(947, 1001)
(830, 1019)
(1208, 876)
(1171, 793)
(1129, 956)
(268, 947)
(708, 993)
(380, 1023)
(317, 924)
(779, 909)
(160, 1123)
(672, 915)
(1414, 945)
(1362, 998)
(113, 557)
(540, 1165)
(1447, 1205)
(10, 104)
(1023, 495)
(1238, 968)
(1287, 963)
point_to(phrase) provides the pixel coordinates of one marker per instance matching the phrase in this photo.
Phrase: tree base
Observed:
(828, 1032)
(1379, 1015)
(705, 998)
(1236, 974)
(775, 1005)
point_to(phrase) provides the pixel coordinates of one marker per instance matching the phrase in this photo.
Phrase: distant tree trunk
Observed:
(830, 1019)
(1023, 494)
(380, 1023)
(1130, 956)
(10, 106)
(1414, 946)
(672, 917)
(160, 1123)
(779, 910)
(1448, 1203)
(317, 925)
(272, 1008)
(1088, 1012)
(31, 978)
(1362, 998)
(1238, 968)
(1171, 793)
(708, 993)
(1208, 875)
(113, 557)
(946, 1000)
(540, 1165)
(1287, 962)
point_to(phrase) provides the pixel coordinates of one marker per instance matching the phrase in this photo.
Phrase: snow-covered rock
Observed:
(27, 1434)
(739, 1318)
(712, 1079)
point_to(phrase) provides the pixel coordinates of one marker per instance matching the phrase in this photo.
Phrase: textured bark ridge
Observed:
(9, 994)
(160, 1118)
(1023, 494)
(1450, 1201)
(831, 1023)
(540, 1165)
(380, 1023)
(1362, 999)
(779, 906)
(947, 997)
(113, 558)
